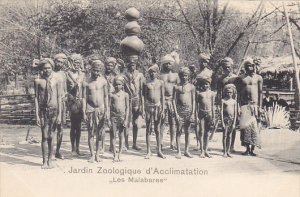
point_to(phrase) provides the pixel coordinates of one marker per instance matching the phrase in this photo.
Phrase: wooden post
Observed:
(297, 88)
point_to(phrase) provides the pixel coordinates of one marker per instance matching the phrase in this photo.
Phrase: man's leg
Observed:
(59, 141)
(135, 116)
(205, 138)
(91, 131)
(78, 134)
(228, 142)
(159, 134)
(112, 134)
(232, 141)
(120, 130)
(225, 141)
(73, 134)
(44, 147)
(172, 127)
(201, 136)
(187, 139)
(148, 135)
(99, 137)
(178, 135)
(51, 132)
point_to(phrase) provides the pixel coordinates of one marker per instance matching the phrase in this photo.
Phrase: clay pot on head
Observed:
(132, 45)
(132, 14)
(132, 28)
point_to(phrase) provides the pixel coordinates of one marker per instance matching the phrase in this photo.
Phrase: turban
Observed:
(154, 67)
(227, 61)
(97, 64)
(204, 57)
(230, 86)
(47, 61)
(132, 58)
(167, 59)
(111, 60)
(203, 77)
(76, 56)
(248, 61)
(118, 78)
(60, 56)
(184, 70)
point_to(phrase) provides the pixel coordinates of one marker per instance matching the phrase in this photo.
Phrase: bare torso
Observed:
(249, 91)
(229, 108)
(153, 92)
(95, 93)
(170, 80)
(117, 105)
(205, 100)
(184, 94)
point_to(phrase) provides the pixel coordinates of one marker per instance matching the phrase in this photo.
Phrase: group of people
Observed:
(113, 97)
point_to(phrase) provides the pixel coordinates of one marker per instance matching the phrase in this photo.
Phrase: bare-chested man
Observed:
(119, 114)
(205, 109)
(184, 105)
(133, 86)
(228, 116)
(95, 107)
(60, 61)
(228, 78)
(170, 79)
(153, 100)
(251, 102)
(75, 80)
(48, 93)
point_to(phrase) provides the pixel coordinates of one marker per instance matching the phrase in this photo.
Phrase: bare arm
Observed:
(162, 99)
(143, 99)
(222, 110)
(84, 100)
(106, 106)
(174, 101)
(59, 100)
(127, 110)
(36, 103)
(193, 101)
(141, 81)
(235, 114)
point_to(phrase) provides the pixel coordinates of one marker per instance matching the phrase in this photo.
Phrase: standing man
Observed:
(170, 79)
(251, 102)
(133, 86)
(48, 93)
(60, 61)
(95, 107)
(75, 79)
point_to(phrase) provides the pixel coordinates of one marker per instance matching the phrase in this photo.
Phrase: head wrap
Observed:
(97, 64)
(76, 56)
(204, 77)
(227, 61)
(248, 61)
(229, 86)
(154, 67)
(111, 60)
(184, 70)
(132, 58)
(119, 78)
(204, 57)
(167, 59)
(60, 56)
(47, 61)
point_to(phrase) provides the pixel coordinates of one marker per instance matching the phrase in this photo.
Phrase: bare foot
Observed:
(135, 147)
(173, 147)
(246, 153)
(116, 159)
(78, 153)
(252, 154)
(101, 152)
(202, 155)
(119, 158)
(59, 156)
(50, 164)
(73, 153)
(124, 149)
(187, 154)
(225, 155)
(44, 166)
(207, 155)
(148, 156)
(232, 150)
(178, 156)
(159, 154)
(98, 158)
(92, 159)
(229, 155)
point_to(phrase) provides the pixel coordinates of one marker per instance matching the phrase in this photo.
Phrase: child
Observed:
(153, 102)
(205, 105)
(228, 116)
(119, 113)
(184, 107)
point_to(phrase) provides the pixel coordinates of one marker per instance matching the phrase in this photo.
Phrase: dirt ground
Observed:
(274, 172)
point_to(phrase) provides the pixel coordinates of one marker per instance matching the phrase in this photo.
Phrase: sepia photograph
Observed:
(149, 98)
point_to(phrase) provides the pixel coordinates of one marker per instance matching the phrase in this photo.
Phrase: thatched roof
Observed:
(279, 64)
